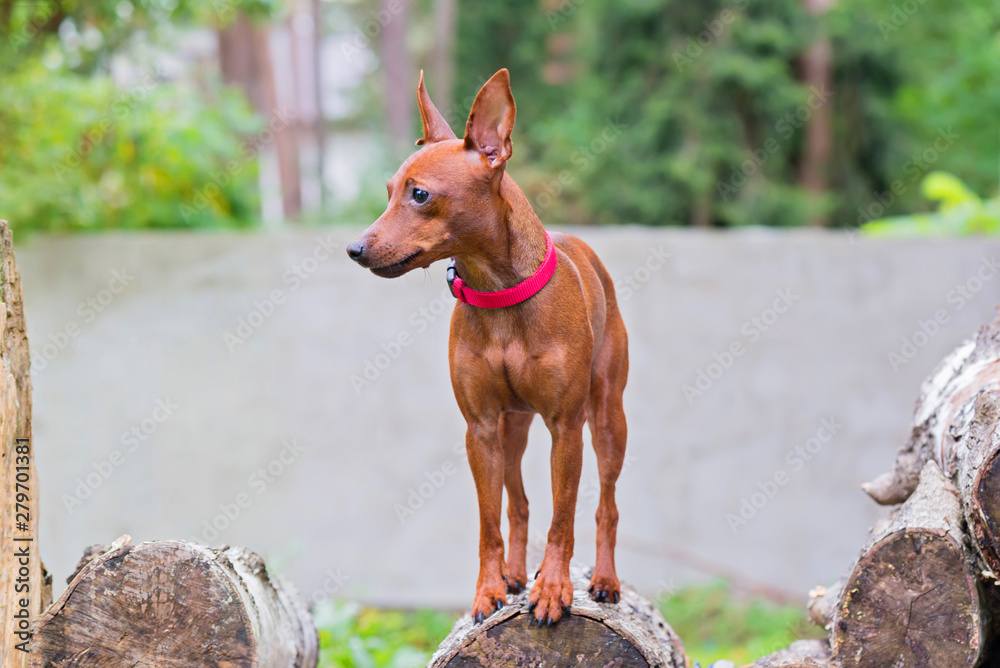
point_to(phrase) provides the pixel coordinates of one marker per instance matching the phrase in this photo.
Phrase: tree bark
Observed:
(245, 61)
(170, 604)
(800, 654)
(978, 480)
(630, 633)
(913, 597)
(942, 415)
(25, 587)
(818, 75)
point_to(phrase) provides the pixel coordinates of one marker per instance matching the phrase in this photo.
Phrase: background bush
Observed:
(80, 154)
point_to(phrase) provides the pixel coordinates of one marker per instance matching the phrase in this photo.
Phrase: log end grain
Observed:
(172, 604)
(911, 601)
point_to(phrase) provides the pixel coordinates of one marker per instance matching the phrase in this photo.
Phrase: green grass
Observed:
(351, 636)
(715, 623)
(712, 621)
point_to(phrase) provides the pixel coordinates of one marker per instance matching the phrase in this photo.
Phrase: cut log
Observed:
(629, 633)
(25, 587)
(979, 480)
(913, 598)
(174, 604)
(942, 414)
(800, 654)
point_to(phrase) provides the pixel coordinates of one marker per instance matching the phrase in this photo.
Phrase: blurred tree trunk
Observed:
(400, 84)
(319, 123)
(245, 61)
(443, 55)
(817, 75)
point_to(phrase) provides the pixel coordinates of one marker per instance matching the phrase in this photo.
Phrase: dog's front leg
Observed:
(482, 442)
(552, 593)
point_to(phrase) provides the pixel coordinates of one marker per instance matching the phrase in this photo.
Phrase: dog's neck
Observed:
(512, 249)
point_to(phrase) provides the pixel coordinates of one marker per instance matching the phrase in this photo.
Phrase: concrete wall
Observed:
(201, 386)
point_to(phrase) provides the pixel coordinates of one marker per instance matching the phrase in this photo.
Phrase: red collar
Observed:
(515, 295)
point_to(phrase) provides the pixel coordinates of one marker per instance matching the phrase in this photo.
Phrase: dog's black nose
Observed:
(355, 250)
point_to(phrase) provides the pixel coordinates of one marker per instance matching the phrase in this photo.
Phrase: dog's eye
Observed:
(420, 196)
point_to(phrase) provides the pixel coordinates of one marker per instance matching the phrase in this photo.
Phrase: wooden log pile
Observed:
(173, 604)
(922, 593)
(923, 590)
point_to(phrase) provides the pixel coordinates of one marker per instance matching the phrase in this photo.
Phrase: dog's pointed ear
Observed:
(435, 127)
(492, 120)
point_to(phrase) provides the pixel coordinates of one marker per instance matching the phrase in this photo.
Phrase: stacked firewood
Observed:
(923, 589)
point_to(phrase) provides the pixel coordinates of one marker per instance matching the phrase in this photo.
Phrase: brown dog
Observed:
(559, 350)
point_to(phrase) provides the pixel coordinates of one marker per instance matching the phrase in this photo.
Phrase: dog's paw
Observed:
(605, 588)
(489, 598)
(516, 581)
(516, 585)
(551, 597)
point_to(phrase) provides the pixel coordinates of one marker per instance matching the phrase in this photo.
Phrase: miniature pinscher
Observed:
(536, 330)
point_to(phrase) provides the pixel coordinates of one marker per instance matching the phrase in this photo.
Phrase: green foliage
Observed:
(713, 623)
(99, 27)
(710, 104)
(927, 83)
(354, 637)
(960, 212)
(80, 154)
(951, 66)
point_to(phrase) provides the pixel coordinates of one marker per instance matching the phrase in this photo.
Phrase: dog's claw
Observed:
(616, 596)
(531, 605)
(479, 618)
(504, 578)
(539, 623)
(499, 605)
(537, 573)
(549, 623)
(590, 589)
(567, 610)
